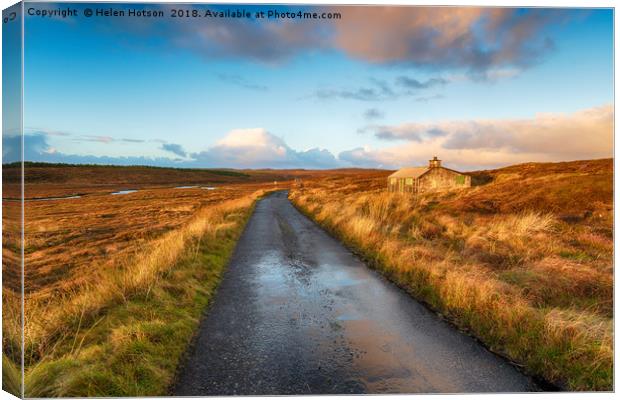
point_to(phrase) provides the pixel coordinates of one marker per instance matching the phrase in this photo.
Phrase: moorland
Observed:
(523, 259)
(118, 260)
(115, 284)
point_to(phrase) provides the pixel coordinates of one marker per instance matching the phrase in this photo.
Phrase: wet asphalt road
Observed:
(297, 313)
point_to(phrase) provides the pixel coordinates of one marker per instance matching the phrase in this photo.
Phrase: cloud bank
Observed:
(473, 39)
(468, 144)
(239, 148)
(257, 148)
(268, 42)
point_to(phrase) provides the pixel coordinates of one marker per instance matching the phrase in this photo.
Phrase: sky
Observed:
(380, 87)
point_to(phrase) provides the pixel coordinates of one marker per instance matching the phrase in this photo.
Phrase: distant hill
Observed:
(49, 179)
(571, 188)
(107, 174)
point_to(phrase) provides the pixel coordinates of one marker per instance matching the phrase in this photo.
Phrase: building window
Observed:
(409, 181)
(460, 179)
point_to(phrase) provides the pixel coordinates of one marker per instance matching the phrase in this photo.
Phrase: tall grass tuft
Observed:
(123, 332)
(531, 286)
(11, 377)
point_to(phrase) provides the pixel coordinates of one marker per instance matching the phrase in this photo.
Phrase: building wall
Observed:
(403, 185)
(438, 179)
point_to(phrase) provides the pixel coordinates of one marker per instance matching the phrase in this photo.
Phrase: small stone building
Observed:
(427, 179)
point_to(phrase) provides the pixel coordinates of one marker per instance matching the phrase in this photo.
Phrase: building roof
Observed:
(410, 172)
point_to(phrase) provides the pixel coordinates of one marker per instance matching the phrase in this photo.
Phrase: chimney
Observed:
(434, 163)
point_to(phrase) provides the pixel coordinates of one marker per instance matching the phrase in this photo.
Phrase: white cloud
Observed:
(257, 148)
(467, 145)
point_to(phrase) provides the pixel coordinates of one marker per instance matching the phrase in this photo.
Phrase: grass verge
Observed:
(125, 334)
(500, 278)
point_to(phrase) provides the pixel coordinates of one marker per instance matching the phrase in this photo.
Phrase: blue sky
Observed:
(381, 87)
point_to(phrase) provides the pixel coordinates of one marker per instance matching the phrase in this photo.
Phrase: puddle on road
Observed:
(385, 361)
(186, 187)
(124, 192)
(348, 317)
(208, 188)
(336, 277)
(272, 274)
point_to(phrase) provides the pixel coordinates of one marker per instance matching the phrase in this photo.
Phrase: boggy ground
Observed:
(126, 275)
(102, 264)
(119, 329)
(67, 239)
(522, 260)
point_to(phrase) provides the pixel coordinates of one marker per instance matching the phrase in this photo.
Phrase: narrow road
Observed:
(298, 313)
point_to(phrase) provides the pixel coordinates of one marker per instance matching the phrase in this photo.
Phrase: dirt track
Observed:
(298, 313)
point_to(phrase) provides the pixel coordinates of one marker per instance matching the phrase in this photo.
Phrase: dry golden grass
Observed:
(524, 261)
(158, 252)
(66, 240)
(71, 337)
(132, 273)
(88, 259)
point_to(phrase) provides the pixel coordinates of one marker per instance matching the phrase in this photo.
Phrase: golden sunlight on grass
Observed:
(522, 260)
(121, 329)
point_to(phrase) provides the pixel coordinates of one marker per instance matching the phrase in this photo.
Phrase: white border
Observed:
(487, 3)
